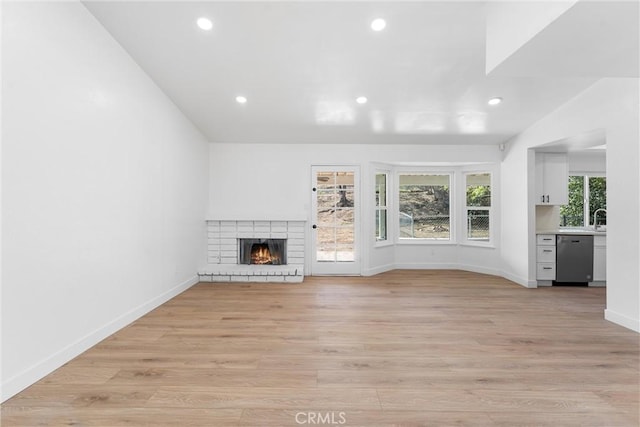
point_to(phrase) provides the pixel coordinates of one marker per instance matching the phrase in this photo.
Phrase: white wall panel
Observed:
(104, 187)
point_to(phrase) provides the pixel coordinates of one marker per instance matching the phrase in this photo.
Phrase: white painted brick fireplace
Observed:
(222, 251)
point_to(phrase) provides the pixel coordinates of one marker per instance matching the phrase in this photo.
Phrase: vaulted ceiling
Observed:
(302, 65)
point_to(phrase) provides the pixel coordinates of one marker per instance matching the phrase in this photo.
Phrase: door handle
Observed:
(543, 198)
(314, 226)
(547, 198)
(313, 189)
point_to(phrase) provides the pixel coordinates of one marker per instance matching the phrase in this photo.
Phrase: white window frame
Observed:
(453, 214)
(492, 222)
(387, 208)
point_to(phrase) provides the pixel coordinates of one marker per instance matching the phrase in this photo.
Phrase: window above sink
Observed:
(587, 194)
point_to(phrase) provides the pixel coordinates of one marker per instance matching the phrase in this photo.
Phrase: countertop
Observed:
(574, 230)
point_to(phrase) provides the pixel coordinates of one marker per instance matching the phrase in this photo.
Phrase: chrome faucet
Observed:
(595, 216)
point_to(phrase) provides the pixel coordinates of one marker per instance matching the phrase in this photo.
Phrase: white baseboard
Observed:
(424, 266)
(480, 269)
(622, 320)
(522, 281)
(378, 270)
(19, 382)
(452, 266)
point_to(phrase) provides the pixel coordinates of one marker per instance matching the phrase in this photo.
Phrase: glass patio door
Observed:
(335, 219)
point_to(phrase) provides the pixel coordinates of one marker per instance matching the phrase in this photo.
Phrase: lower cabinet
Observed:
(546, 271)
(600, 258)
(546, 257)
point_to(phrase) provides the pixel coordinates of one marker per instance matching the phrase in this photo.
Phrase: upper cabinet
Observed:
(552, 176)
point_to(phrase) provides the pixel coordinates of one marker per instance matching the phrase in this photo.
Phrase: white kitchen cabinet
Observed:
(552, 179)
(546, 271)
(546, 240)
(545, 258)
(546, 254)
(600, 259)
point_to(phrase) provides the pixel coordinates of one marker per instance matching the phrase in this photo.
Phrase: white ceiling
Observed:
(302, 64)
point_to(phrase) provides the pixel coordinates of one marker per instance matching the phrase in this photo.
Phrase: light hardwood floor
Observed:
(405, 348)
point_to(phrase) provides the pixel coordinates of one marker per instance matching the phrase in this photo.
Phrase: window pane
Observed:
(381, 224)
(479, 189)
(344, 217)
(478, 224)
(345, 253)
(345, 179)
(381, 205)
(597, 198)
(344, 236)
(326, 179)
(345, 198)
(327, 219)
(326, 236)
(326, 253)
(424, 206)
(572, 214)
(381, 189)
(326, 198)
(478, 196)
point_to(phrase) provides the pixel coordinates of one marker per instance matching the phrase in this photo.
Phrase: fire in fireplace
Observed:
(262, 251)
(260, 254)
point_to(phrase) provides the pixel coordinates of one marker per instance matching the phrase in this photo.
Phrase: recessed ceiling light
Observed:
(205, 23)
(378, 24)
(495, 101)
(361, 100)
(241, 99)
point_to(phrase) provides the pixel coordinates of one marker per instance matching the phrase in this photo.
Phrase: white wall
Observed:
(512, 24)
(610, 105)
(1, 175)
(274, 181)
(104, 186)
(588, 161)
(623, 213)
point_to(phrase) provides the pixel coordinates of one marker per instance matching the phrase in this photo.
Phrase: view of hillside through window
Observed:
(425, 206)
(335, 216)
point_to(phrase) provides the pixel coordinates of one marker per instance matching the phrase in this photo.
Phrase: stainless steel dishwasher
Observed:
(574, 258)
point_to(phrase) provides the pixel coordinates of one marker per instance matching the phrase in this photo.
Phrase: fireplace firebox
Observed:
(262, 251)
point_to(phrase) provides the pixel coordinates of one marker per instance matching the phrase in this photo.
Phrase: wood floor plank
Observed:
(81, 395)
(369, 418)
(196, 376)
(351, 362)
(151, 359)
(473, 379)
(265, 398)
(81, 375)
(493, 401)
(121, 417)
(569, 419)
(403, 348)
